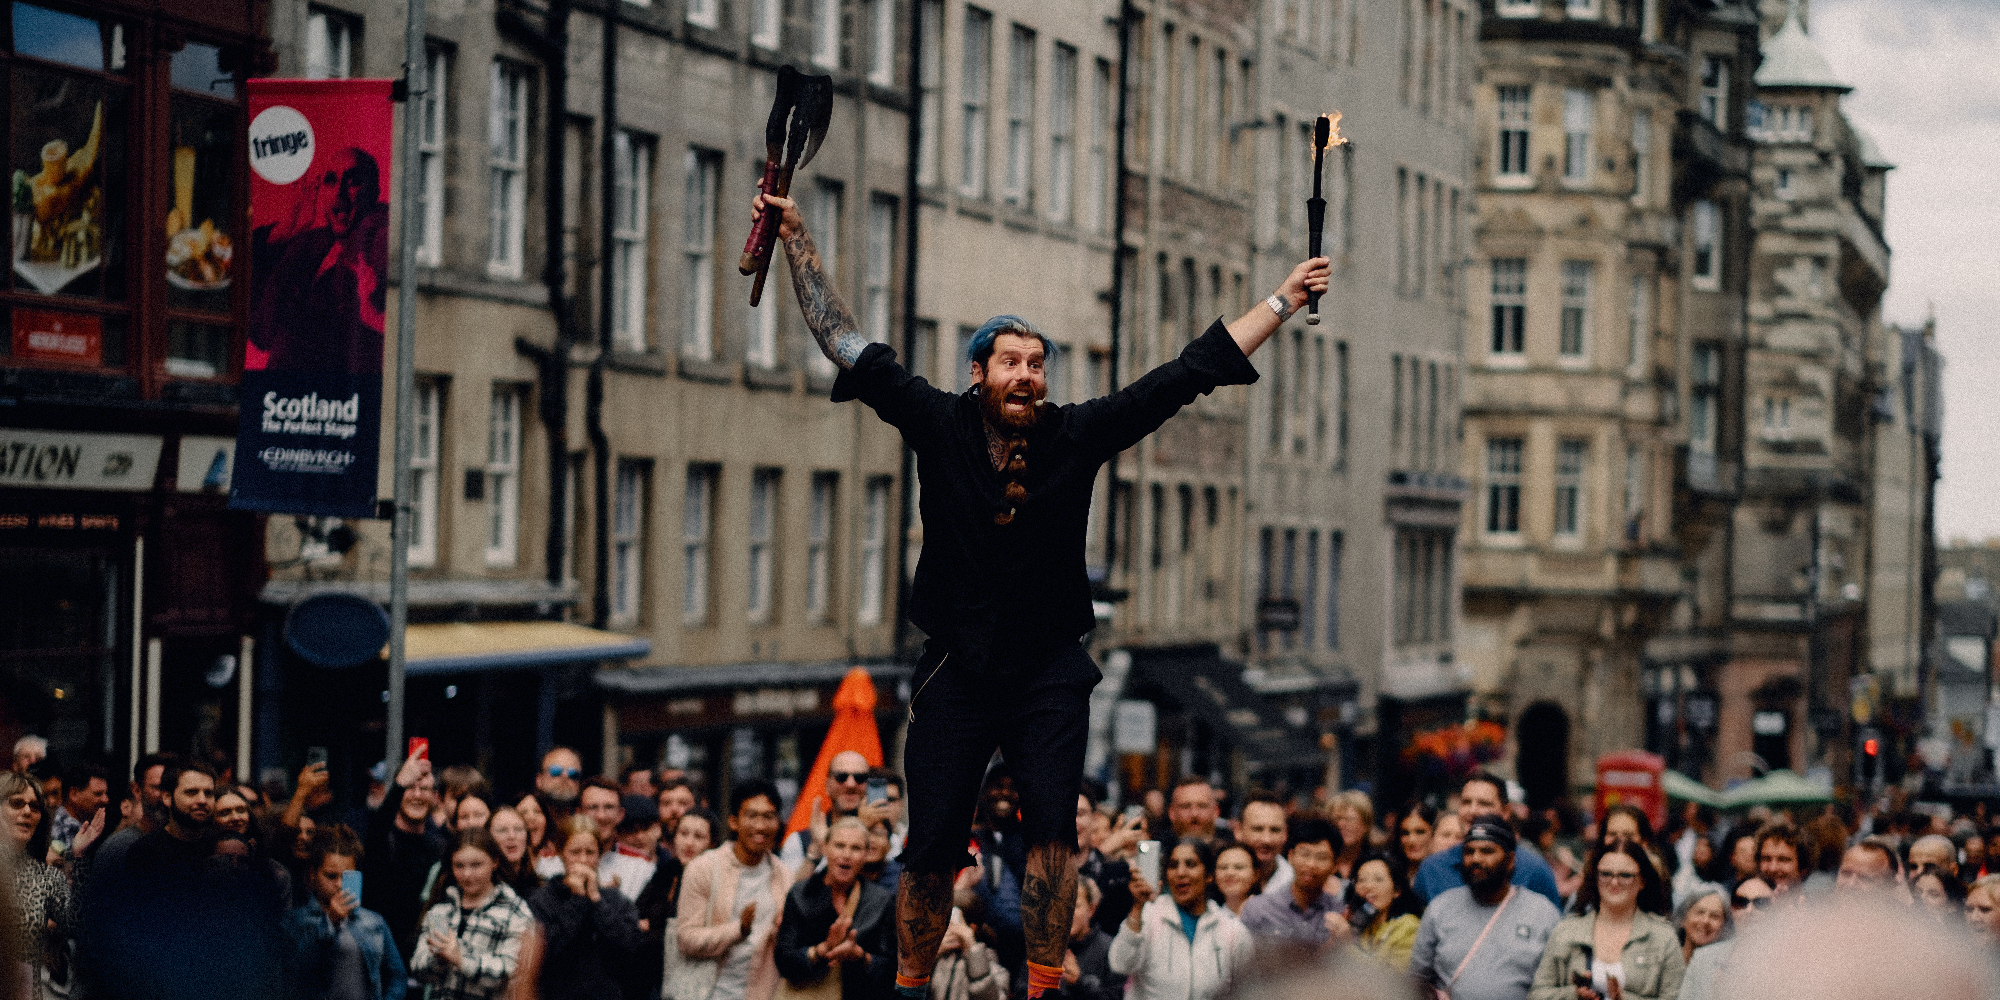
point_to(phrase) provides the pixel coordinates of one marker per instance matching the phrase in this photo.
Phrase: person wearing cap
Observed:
(1483, 794)
(1483, 940)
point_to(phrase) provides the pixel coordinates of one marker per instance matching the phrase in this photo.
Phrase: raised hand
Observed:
(88, 834)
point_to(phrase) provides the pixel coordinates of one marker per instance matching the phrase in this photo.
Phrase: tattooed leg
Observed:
(1048, 901)
(832, 325)
(923, 911)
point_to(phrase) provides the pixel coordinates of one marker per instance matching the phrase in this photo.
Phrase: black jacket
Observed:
(1114, 884)
(996, 593)
(396, 868)
(809, 914)
(1098, 982)
(587, 948)
(657, 904)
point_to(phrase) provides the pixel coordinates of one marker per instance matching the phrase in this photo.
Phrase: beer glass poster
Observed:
(319, 273)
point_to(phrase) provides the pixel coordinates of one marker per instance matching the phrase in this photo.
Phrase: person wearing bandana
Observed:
(1484, 939)
(1001, 590)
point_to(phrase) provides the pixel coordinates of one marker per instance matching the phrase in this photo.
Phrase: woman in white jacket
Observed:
(1180, 946)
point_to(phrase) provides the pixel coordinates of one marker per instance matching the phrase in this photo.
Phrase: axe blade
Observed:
(814, 114)
(781, 110)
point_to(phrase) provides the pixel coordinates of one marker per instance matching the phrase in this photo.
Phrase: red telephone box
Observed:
(1636, 778)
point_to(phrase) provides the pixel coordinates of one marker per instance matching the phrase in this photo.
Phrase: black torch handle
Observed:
(1315, 222)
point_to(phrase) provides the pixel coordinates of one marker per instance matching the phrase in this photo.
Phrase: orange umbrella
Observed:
(853, 729)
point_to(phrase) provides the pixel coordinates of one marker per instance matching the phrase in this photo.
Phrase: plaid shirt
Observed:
(489, 944)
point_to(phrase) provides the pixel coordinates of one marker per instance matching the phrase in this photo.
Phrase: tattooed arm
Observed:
(832, 325)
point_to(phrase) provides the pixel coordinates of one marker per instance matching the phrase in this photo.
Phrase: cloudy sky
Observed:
(1926, 77)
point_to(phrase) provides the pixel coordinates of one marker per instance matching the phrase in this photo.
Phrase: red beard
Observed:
(992, 399)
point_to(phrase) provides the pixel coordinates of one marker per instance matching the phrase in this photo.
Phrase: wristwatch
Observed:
(1280, 305)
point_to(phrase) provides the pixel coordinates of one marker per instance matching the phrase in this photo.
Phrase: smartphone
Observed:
(1149, 861)
(1134, 811)
(878, 789)
(350, 883)
(420, 746)
(315, 755)
(1361, 916)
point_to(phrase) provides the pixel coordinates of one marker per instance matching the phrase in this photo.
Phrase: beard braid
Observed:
(1013, 433)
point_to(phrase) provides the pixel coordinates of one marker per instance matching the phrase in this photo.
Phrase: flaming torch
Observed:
(1326, 133)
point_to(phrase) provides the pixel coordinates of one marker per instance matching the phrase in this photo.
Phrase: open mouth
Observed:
(1021, 399)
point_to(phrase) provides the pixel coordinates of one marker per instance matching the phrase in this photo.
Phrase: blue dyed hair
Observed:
(981, 346)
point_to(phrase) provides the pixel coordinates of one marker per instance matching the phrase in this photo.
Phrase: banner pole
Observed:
(416, 76)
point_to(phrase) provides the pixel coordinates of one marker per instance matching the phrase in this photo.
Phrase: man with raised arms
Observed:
(1000, 589)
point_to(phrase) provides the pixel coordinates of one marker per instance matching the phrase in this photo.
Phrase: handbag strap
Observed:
(1481, 939)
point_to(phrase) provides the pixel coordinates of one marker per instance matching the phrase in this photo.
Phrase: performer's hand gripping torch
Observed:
(798, 123)
(1326, 132)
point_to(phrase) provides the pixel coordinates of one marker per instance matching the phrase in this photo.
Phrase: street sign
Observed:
(1278, 614)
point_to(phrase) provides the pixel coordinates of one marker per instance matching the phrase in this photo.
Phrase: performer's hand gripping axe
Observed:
(799, 119)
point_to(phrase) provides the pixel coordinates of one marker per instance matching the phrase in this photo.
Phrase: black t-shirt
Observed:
(991, 593)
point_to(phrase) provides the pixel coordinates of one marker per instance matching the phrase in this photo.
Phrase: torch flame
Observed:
(1334, 137)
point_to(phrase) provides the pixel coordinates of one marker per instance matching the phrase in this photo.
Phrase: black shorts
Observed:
(1036, 714)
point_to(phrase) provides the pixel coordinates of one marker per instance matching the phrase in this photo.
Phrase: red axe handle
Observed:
(764, 233)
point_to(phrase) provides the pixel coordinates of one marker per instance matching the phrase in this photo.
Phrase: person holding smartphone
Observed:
(1618, 948)
(339, 949)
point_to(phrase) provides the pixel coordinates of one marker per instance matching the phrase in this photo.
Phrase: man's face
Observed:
(88, 799)
(418, 800)
(352, 191)
(1487, 865)
(847, 782)
(675, 803)
(1934, 850)
(1311, 863)
(756, 827)
(1778, 863)
(194, 799)
(603, 808)
(1011, 382)
(561, 775)
(1864, 869)
(1000, 804)
(1263, 831)
(640, 783)
(150, 787)
(1478, 798)
(1193, 811)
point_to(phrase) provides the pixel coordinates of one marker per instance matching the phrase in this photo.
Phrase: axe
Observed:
(798, 123)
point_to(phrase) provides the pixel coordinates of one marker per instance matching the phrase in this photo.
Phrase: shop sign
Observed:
(205, 464)
(77, 460)
(66, 338)
(776, 701)
(311, 396)
(11, 520)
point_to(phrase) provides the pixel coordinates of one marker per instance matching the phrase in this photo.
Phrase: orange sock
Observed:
(907, 986)
(1042, 978)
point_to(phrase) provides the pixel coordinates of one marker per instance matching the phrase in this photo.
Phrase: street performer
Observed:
(1000, 589)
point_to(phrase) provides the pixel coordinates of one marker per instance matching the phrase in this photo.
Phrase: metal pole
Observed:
(416, 72)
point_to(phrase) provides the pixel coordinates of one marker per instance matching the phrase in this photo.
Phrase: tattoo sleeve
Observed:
(923, 912)
(832, 325)
(1048, 901)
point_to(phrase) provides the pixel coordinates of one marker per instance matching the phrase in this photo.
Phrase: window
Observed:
(1635, 490)
(1265, 541)
(930, 79)
(764, 21)
(1097, 181)
(1510, 304)
(1782, 184)
(697, 511)
(330, 39)
(503, 476)
(874, 551)
(882, 43)
(1062, 132)
(1309, 603)
(1705, 390)
(877, 268)
(1020, 115)
(977, 71)
(1421, 588)
(961, 362)
(572, 502)
(826, 33)
(1518, 8)
(819, 546)
(1335, 543)
(1288, 569)
(430, 153)
(507, 170)
(1707, 246)
(1570, 453)
(1503, 486)
(1395, 403)
(1581, 8)
(1576, 279)
(424, 476)
(628, 553)
(824, 214)
(1576, 136)
(1778, 418)
(1341, 413)
(1189, 72)
(1514, 121)
(632, 165)
(760, 339)
(704, 171)
(707, 13)
(1642, 154)
(763, 522)
(1715, 91)
(1639, 336)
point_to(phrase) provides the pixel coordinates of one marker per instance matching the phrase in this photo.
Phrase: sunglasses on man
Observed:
(1761, 903)
(565, 772)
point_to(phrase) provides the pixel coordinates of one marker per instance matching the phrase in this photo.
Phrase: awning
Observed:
(1213, 689)
(679, 680)
(453, 647)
